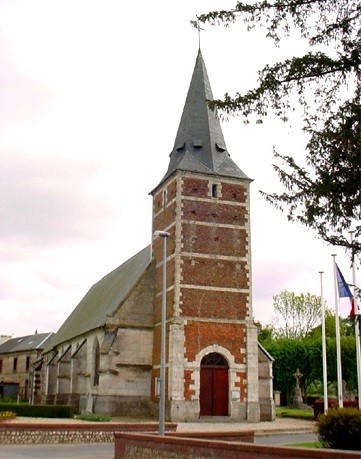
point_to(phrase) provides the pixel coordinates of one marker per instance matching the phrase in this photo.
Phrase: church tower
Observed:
(203, 203)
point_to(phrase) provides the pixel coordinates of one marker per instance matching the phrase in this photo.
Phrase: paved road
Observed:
(284, 439)
(106, 450)
(56, 451)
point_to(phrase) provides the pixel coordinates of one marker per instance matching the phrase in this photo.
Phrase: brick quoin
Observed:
(199, 335)
(241, 384)
(188, 381)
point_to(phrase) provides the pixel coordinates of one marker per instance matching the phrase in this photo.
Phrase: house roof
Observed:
(199, 145)
(26, 343)
(103, 299)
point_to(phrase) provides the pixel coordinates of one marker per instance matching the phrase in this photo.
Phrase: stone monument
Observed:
(297, 397)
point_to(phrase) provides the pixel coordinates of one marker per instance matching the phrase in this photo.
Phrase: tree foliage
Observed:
(325, 195)
(296, 315)
(347, 326)
(306, 355)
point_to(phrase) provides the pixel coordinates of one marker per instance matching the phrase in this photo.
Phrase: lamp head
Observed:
(161, 233)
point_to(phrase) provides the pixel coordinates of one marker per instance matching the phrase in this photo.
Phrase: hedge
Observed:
(319, 408)
(39, 411)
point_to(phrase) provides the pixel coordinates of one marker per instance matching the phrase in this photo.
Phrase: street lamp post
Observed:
(164, 235)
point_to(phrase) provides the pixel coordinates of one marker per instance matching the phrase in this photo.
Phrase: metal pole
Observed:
(357, 329)
(338, 339)
(164, 235)
(324, 349)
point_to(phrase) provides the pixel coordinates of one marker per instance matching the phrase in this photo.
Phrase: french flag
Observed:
(344, 291)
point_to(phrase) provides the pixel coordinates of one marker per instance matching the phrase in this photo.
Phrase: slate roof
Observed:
(25, 343)
(199, 145)
(266, 353)
(103, 299)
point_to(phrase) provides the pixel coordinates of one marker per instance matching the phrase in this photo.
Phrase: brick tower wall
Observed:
(208, 284)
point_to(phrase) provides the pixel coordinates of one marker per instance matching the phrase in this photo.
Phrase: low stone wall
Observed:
(24, 433)
(146, 446)
(238, 436)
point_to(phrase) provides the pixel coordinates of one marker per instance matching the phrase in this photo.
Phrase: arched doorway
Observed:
(213, 395)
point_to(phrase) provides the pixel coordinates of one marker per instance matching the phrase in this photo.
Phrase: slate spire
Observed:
(199, 145)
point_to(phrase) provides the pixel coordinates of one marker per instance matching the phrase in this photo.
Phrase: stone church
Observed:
(105, 358)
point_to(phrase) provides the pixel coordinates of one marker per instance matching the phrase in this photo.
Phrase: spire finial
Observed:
(199, 34)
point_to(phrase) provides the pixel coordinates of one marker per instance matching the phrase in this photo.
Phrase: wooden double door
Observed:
(214, 386)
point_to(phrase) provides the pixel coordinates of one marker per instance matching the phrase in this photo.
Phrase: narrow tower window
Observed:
(96, 364)
(165, 194)
(214, 191)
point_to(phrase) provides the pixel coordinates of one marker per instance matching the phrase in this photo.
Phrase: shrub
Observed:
(318, 406)
(93, 417)
(296, 413)
(39, 411)
(340, 428)
(5, 415)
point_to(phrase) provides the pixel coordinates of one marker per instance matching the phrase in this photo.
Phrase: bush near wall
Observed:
(319, 406)
(340, 428)
(39, 411)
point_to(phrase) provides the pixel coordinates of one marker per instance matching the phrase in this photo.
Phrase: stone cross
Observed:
(298, 376)
(297, 398)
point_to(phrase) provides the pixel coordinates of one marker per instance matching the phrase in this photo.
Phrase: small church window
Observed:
(165, 196)
(214, 190)
(96, 364)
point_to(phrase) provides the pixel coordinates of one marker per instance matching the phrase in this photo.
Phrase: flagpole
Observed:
(357, 328)
(338, 339)
(324, 356)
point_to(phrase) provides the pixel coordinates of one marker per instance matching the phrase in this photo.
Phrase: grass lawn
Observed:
(285, 412)
(309, 444)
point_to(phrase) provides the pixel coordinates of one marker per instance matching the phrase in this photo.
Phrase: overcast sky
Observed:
(91, 95)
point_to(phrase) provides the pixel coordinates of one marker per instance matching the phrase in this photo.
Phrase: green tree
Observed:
(265, 332)
(348, 361)
(326, 194)
(306, 354)
(296, 315)
(347, 327)
(289, 355)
